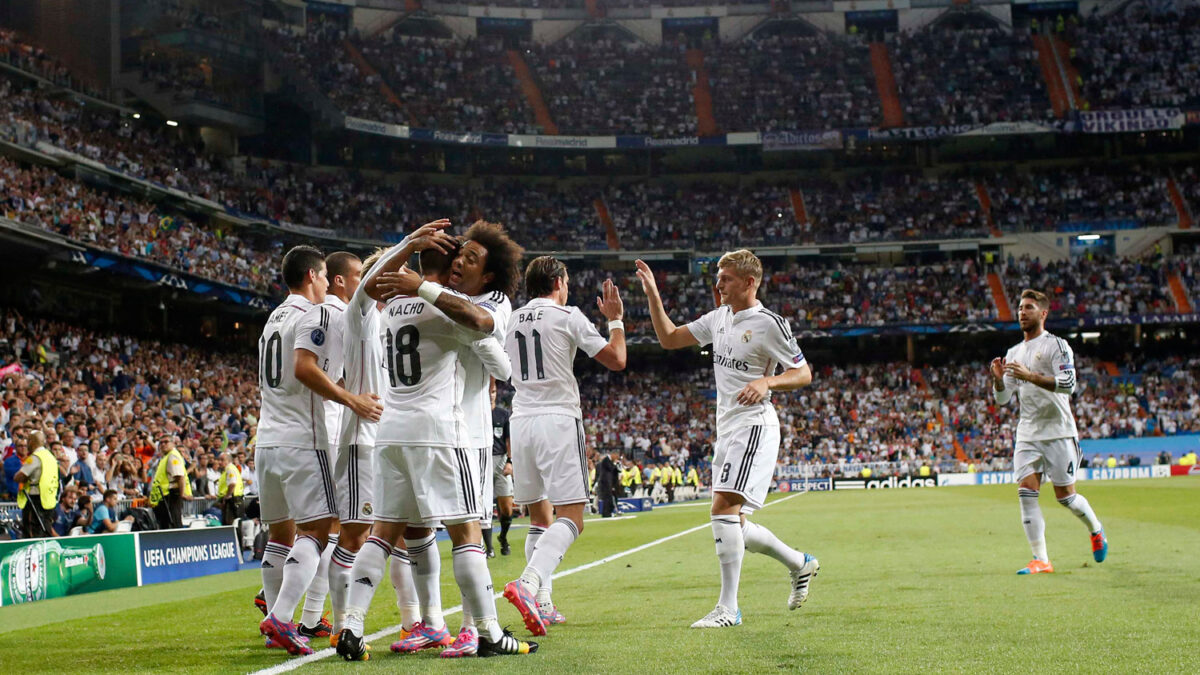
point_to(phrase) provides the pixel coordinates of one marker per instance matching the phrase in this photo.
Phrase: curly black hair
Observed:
(503, 258)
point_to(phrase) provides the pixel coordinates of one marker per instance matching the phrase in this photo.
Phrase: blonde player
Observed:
(754, 354)
(1041, 371)
(550, 470)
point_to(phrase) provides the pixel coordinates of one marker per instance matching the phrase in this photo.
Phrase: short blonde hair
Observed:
(370, 260)
(743, 263)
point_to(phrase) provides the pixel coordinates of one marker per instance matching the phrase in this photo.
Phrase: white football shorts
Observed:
(1057, 460)
(294, 484)
(418, 484)
(744, 463)
(549, 460)
(354, 478)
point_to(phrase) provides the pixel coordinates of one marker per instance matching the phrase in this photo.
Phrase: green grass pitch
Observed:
(911, 580)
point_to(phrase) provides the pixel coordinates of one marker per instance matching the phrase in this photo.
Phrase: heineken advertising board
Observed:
(39, 569)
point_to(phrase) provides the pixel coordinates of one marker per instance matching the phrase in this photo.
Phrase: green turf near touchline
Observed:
(911, 579)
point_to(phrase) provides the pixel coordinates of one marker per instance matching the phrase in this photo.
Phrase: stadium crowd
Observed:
(792, 82)
(1100, 285)
(1045, 199)
(39, 196)
(105, 402)
(613, 86)
(1146, 57)
(967, 76)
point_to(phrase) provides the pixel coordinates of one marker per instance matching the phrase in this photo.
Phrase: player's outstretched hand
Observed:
(644, 275)
(366, 406)
(609, 302)
(754, 392)
(997, 368)
(401, 282)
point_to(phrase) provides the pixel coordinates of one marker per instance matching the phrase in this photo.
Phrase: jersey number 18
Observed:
(402, 352)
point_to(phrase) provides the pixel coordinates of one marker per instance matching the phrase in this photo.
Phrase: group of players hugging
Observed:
(376, 428)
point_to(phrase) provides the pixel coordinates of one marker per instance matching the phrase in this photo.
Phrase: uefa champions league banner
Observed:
(169, 555)
(163, 276)
(40, 569)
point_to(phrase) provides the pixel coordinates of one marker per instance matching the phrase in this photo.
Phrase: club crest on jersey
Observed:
(366, 509)
(747, 335)
(317, 336)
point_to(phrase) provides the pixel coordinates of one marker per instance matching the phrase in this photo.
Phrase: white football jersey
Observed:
(292, 414)
(362, 358)
(477, 380)
(1044, 415)
(541, 342)
(422, 404)
(745, 346)
(333, 363)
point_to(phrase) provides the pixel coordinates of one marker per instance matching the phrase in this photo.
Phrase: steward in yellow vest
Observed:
(170, 485)
(38, 489)
(230, 490)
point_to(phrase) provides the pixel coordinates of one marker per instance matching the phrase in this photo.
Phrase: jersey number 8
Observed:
(402, 352)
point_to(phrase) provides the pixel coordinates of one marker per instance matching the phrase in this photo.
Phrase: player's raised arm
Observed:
(1000, 391)
(429, 235)
(610, 305)
(461, 310)
(669, 335)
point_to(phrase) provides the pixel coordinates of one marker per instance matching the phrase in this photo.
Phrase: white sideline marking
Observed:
(293, 664)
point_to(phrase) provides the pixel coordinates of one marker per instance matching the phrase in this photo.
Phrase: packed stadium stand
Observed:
(896, 253)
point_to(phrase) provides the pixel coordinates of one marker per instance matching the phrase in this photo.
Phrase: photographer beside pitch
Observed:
(1041, 369)
(749, 344)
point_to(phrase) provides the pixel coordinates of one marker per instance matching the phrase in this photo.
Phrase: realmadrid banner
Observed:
(168, 555)
(39, 569)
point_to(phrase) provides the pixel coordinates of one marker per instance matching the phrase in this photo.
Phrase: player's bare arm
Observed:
(669, 335)
(309, 372)
(610, 305)
(461, 310)
(429, 235)
(1020, 372)
(789, 380)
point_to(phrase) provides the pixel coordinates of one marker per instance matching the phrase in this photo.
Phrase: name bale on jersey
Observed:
(530, 317)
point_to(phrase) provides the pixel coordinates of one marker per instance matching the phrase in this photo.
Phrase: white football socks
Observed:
(761, 540)
(548, 554)
(1035, 525)
(340, 566)
(406, 590)
(366, 574)
(1083, 510)
(731, 548)
(427, 572)
(274, 556)
(298, 571)
(475, 583)
(318, 590)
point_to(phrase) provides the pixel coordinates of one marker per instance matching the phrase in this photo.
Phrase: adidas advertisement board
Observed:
(888, 482)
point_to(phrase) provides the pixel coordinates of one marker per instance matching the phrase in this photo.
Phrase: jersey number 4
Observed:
(270, 355)
(402, 353)
(523, 355)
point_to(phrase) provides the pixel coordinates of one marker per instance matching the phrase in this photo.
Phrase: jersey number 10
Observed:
(523, 355)
(270, 355)
(402, 352)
